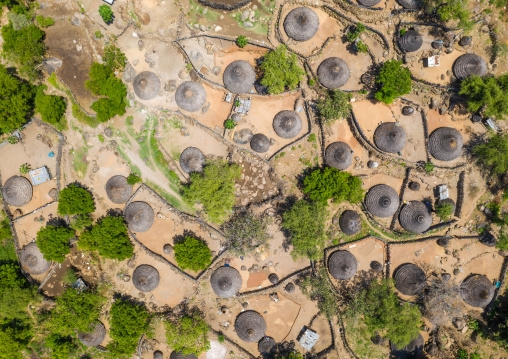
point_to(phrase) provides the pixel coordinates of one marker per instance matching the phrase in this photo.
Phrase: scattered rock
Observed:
(126, 278)
(247, 24)
(183, 74)
(205, 11)
(244, 268)
(75, 21)
(202, 28)
(218, 28)
(245, 15)
(170, 86)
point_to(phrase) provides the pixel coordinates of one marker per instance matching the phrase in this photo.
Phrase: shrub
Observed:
(241, 41)
(192, 254)
(429, 167)
(488, 94)
(444, 211)
(133, 179)
(328, 183)
(106, 13)
(70, 276)
(447, 11)
(229, 124)
(19, 21)
(15, 292)
(52, 108)
(493, 155)
(61, 346)
(114, 58)
(221, 338)
(332, 105)
(53, 242)
(280, 70)
(13, 140)
(45, 21)
(75, 200)
(311, 82)
(25, 168)
(188, 334)
(395, 81)
(246, 233)
(15, 101)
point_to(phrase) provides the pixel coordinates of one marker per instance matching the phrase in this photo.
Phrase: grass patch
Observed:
(260, 27)
(172, 200)
(197, 12)
(79, 162)
(359, 339)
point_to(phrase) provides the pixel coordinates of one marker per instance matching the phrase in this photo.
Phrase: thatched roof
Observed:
(266, 344)
(409, 4)
(301, 24)
(53, 193)
(273, 278)
(145, 278)
(239, 77)
(158, 355)
(469, 65)
(465, 41)
(17, 191)
(94, 337)
(350, 223)
(376, 266)
(443, 242)
(339, 155)
(287, 124)
(118, 190)
(408, 110)
(190, 96)
(250, 326)
(260, 143)
(415, 217)
(412, 350)
(411, 41)
(146, 85)
(368, 3)
(290, 287)
(477, 290)
(382, 201)
(192, 160)
(342, 265)
(409, 279)
(390, 137)
(333, 73)
(139, 216)
(226, 282)
(167, 248)
(32, 260)
(445, 144)
(179, 355)
(243, 136)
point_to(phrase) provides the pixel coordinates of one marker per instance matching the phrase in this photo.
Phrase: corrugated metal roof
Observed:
(39, 175)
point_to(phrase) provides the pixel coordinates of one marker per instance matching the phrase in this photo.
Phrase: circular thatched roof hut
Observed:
(409, 279)
(333, 73)
(301, 24)
(445, 144)
(145, 278)
(469, 65)
(273, 278)
(167, 249)
(368, 3)
(192, 160)
(411, 41)
(287, 124)
(250, 326)
(290, 287)
(382, 201)
(390, 137)
(409, 4)
(465, 41)
(412, 350)
(266, 344)
(408, 110)
(477, 290)
(339, 155)
(415, 217)
(94, 337)
(179, 355)
(32, 260)
(190, 96)
(443, 242)
(260, 143)
(239, 77)
(342, 265)
(139, 216)
(414, 186)
(17, 191)
(350, 223)
(226, 282)
(146, 85)
(158, 355)
(118, 190)
(376, 266)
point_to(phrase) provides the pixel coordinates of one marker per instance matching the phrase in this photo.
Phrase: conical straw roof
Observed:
(145, 278)
(266, 344)
(239, 77)
(192, 160)
(412, 350)
(273, 278)
(226, 282)
(350, 223)
(250, 326)
(376, 266)
(411, 41)
(290, 287)
(445, 144)
(469, 65)
(190, 96)
(260, 143)
(17, 191)
(415, 217)
(139, 216)
(339, 155)
(477, 290)
(333, 73)
(146, 85)
(410, 279)
(390, 137)
(301, 24)
(179, 355)
(118, 190)
(287, 124)
(382, 201)
(95, 337)
(32, 260)
(368, 3)
(342, 265)
(409, 4)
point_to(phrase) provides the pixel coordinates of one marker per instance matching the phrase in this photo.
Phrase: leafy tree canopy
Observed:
(75, 200)
(327, 183)
(133, 179)
(333, 105)
(444, 210)
(192, 254)
(106, 13)
(451, 10)
(16, 103)
(245, 233)
(52, 108)
(114, 58)
(188, 335)
(487, 93)
(61, 346)
(281, 70)
(13, 339)
(15, 292)
(395, 81)
(493, 154)
(53, 242)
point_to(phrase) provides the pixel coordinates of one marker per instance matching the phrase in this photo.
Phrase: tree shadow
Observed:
(129, 298)
(180, 238)
(57, 222)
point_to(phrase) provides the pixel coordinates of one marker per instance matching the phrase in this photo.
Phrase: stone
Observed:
(448, 73)
(244, 268)
(218, 28)
(141, 44)
(443, 77)
(485, 28)
(446, 277)
(95, 169)
(272, 142)
(247, 24)
(126, 278)
(245, 15)
(216, 70)
(205, 11)
(51, 64)
(202, 28)
(456, 271)
(170, 86)
(270, 264)
(183, 74)
(75, 21)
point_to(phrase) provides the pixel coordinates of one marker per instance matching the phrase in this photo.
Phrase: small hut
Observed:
(226, 282)
(145, 278)
(190, 96)
(239, 77)
(409, 4)
(146, 85)
(94, 337)
(180, 355)
(236, 118)
(415, 217)
(413, 350)
(411, 41)
(250, 326)
(465, 41)
(443, 242)
(158, 355)
(118, 190)
(266, 344)
(301, 24)
(333, 73)
(382, 201)
(287, 124)
(350, 223)
(243, 136)
(260, 143)
(342, 265)
(437, 44)
(409, 279)
(17, 191)
(469, 65)
(414, 186)
(339, 155)
(139, 216)
(290, 287)
(32, 260)
(477, 290)
(445, 144)
(273, 278)
(53, 193)
(390, 137)
(476, 118)
(376, 266)
(192, 160)
(368, 3)
(167, 249)
(408, 110)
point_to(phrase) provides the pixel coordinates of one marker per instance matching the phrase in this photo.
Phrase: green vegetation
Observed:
(53, 242)
(106, 13)
(25, 168)
(188, 334)
(320, 288)
(493, 154)
(15, 294)
(229, 124)
(5, 228)
(328, 183)
(15, 100)
(241, 41)
(192, 254)
(429, 167)
(75, 200)
(62, 347)
(353, 36)
(455, 10)
(463, 354)
(98, 35)
(486, 94)
(332, 105)
(245, 233)
(395, 81)
(70, 276)
(444, 211)
(114, 58)
(52, 108)
(19, 21)
(45, 22)
(281, 70)
(133, 179)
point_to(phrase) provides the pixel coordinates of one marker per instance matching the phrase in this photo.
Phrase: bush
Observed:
(241, 41)
(334, 104)
(280, 70)
(444, 211)
(133, 179)
(488, 94)
(429, 167)
(493, 155)
(395, 81)
(52, 108)
(246, 233)
(25, 168)
(192, 254)
(188, 335)
(106, 13)
(19, 21)
(53, 242)
(75, 200)
(229, 124)
(320, 289)
(61, 346)
(328, 183)
(114, 58)
(45, 21)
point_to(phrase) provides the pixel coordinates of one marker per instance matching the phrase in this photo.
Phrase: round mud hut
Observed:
(477, 290)
(415, 217)
(53, 193)
(158, 355)
(145, 278)
(465, 41)
(266, 344)
(290, 287)
(409, 279)
(287, 124)
(239, 77)
(413, 350)
(382, 201)
(32, 260)
(469, 65)
(445, 144)
(411, 41)
(390, 137)
(190, 96)
(408, 110)
(273, 278)
(192, 160)
(409, 4)
(333, 73)
(226, 282)
(339, 155)
(118, 190)
(350, 223)
(180, 355)
(250, 326)
(260, 143)
(94, 337)
(243, 136)
(139, 216)
(376, 266)
(146, 85)
(342, 265)
(17, 191)
(301, 24)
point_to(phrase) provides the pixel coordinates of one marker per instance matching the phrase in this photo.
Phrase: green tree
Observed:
(188, 334)
(320, 289)
(133, 179)
(81, 221)
(106, 13)
(214, 188)
(10, 345)
(241, 41)
(444, 211)
(114, 58)
(16, 101)
(334, 104)
(246, 233)
(15, 292)
(328, 183)
(305, 222)
(53, 242)
(488, 94)
(281, 70)
(451, 10)
(192, 254)
(493, 154)
(61, 346)
(52, 108)
(395, 81)
(75, 200)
